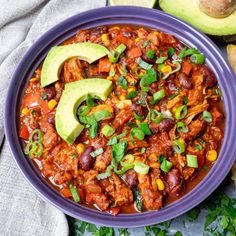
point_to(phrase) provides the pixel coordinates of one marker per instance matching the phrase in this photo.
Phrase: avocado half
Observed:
(57, 55)
(189, 11)
(67, 124)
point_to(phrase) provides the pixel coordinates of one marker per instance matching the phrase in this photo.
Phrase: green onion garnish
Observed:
(206, 115)
(181, 127)
(166, 165)
(132, 95)
(192, 161)
(93, 130)
(107, 130)
(181, 112)
(34, 149)
(141, 168)
(144, 127)
(74, 193)
(114, 55)
(143, 64)
(150, 54)
(160, 60)
(122, 82)
(127, 161)
(137, 117)
(171, 52)
(158, 96)
(197, 58)
(177, 63)
(96, 152)
(137, 133)
(37, 133)
(178, 146)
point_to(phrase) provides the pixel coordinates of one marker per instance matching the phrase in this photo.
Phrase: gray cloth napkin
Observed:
(22, 212)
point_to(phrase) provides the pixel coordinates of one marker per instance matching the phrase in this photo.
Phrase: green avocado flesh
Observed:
(190, 12)
(52, 64)
(67, 124)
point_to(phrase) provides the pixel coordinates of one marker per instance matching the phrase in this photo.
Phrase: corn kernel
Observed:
(52, 103)
(115, 28)
(154, 165)
(33, 79)
(156, 33)
(153, 157)
(124, 103)
(137, 40)
(137, 122)
(131, 89)
(57, 85)
(24, 111)
(166, 69)
(211, 155)
(80, 148)
(109, 78)
(105, 37)
(122, 97)
(160, 184)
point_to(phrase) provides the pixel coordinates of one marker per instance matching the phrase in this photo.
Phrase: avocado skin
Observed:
(178, 8)
(67, 124)
(57, 55)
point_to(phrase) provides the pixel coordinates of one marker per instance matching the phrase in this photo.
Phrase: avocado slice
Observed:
(67, 124)
(190, 12)
(52, 64)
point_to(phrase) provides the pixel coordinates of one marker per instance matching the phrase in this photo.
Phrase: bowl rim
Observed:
(127, 15)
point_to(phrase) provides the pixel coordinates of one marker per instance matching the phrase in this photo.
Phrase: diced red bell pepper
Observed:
(134, 52)
(187, 67)
(24, 133)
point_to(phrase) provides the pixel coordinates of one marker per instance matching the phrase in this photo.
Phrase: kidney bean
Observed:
(175, 182)
(51, 119)
(139, 110)
(166, 125)
(86, 161)
(208, 76)
(48, 93)
(171, 86)
(131, 178)
(184, 81)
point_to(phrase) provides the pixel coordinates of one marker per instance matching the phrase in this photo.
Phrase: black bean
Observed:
(48, 93)
(184, 81)
(131, 178)
(99, 31)
(86, 160)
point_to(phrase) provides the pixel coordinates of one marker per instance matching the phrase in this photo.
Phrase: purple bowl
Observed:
(131, 16)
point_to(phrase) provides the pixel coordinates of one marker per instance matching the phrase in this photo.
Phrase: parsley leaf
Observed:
(118, 150)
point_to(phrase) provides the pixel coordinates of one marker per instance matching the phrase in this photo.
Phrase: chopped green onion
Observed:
(171, 52)
(127, 160)
(143, 64)
(107, 130)
(158, 96)
(161, 60)
(122, 82)
(93, 130)
(187, 52)
(143, 150)
(173, 71)
(118, 150)
(141, 168)
(137, 117)
(123, 169)
(197, 58)
(198, 147)
(83, 110)
(102, 114)
(178, 146)
(155, 116)
(160, 67)
(115, 139)
(192, 161)
(206, 115)
(181, 112)
(185, 100)
(37, 133)
(132, 94)
(144, 127)
(147, 79)
(112, 73)
(166, 165)
(181, 127)
(150, 54)
(114, 55)
(137, 133)
(89, 101)
(97, 152)
(146, 43)
(173, 96)
(74, 193)
(103, 175)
